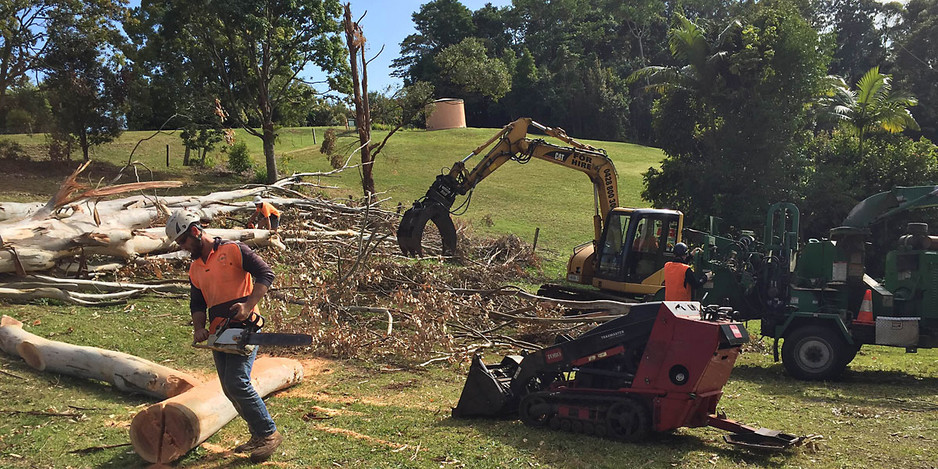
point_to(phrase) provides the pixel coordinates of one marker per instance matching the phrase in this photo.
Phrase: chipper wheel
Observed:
(628, 420)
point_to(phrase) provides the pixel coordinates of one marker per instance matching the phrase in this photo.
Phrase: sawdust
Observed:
(316, 366)
(117, 424)
(330, 412)
(347, 400)
(359, 436)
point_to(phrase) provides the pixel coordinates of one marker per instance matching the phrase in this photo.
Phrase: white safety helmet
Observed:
(258, 200)
(179, 222)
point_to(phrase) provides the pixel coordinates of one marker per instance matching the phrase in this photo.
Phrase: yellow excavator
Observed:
(630, 245)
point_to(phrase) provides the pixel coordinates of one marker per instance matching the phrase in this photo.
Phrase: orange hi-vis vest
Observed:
(674, 287)
(266, 210)
(222, 279)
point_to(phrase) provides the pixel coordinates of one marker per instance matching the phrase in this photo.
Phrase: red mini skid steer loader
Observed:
(661, 367)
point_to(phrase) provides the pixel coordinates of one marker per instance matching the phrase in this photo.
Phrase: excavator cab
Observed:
(635, 245)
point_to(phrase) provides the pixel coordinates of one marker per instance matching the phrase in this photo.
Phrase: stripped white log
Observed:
(126, 372)
(166, 431)
(16, 210)
(84, 299)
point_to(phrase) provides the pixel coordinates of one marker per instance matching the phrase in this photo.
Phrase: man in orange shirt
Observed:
(266, 216)
(227, 280)
(680, 281)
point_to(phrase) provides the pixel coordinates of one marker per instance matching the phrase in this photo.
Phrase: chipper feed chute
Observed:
(658, 368)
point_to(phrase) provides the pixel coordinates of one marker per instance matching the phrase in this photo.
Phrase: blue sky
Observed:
(387, 23)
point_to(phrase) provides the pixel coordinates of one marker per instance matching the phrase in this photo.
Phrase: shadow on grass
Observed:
(42, 178)
(866, 387)
(664, 447)
(219, 460)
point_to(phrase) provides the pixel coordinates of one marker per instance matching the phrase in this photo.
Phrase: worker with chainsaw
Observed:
(227, 280)
(680, 281)
(265, 216)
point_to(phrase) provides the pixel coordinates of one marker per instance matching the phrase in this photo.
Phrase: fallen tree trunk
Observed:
(168, 430)
(25, 295)
(126, 372)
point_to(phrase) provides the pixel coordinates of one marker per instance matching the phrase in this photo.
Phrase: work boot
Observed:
(267, 447)
(249, 445)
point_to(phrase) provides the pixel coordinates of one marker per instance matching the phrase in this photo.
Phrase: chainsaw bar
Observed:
(286, 340)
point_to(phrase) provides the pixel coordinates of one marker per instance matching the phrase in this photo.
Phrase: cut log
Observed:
(166, 431)
(126, 372)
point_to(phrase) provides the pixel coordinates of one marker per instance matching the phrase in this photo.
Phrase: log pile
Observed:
(83, 231)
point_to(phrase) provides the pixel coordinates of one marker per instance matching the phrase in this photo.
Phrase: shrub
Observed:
(10, 150)
(239, 160)
(328, 142)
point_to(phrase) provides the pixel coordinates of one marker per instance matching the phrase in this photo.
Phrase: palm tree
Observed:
(873, 106)
(703, 61)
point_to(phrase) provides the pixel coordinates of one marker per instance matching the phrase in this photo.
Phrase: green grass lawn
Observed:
(367, 413)
(372, 413)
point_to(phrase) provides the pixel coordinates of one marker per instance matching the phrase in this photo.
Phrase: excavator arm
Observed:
(510, 143)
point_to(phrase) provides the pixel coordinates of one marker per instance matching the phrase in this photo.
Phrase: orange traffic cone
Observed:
(865, 316)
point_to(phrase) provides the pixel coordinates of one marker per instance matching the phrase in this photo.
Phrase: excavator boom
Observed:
(511, 143)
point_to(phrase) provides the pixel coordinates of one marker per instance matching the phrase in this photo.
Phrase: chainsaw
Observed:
(243, 340)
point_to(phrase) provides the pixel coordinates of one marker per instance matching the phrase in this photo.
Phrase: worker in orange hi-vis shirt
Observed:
(265, 217)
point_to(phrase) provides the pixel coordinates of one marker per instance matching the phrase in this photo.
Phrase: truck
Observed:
(817, 297)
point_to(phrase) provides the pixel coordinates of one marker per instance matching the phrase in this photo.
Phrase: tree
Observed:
(860, 44)
(732, 114)
(248, 53)
(85, 88)
(22, 40)
(916, 53)
(873, 106)
(412, 100)
(439, 24)
(467, 66)
(27, 110)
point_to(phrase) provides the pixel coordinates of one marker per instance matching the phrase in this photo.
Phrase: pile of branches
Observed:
(358, 297)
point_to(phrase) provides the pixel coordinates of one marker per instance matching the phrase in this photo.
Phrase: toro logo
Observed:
(735, 329)
(553, 355)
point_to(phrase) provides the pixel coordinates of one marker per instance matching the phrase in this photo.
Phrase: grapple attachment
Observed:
(432, 207)
(487, 392)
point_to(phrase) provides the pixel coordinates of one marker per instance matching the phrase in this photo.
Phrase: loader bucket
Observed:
(410, 231)
(487, 392)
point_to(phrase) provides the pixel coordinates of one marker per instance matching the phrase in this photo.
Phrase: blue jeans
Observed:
(234, 372)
